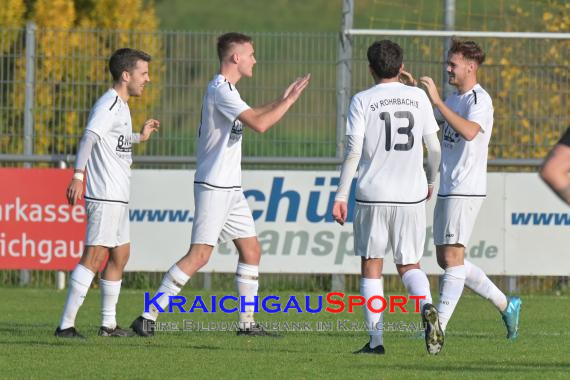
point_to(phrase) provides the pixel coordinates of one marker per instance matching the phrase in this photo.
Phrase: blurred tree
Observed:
(74, 40)
(11, 21)
(531, 103)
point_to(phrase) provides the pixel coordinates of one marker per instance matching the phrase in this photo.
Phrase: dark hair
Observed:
(468, 49)
(125, 59)
(225, 42)
(385, 58)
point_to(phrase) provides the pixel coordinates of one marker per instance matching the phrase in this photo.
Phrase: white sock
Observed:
(247, 284)
(370, 287)
(172, 283)
(477, 280)
(417, 284)
(79, 283)
(110, 291)
(452, 283)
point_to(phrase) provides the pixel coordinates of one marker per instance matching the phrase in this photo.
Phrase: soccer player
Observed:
(385, 128)
(468, 123)
(105, 149)
(221, 210)
(556, 168)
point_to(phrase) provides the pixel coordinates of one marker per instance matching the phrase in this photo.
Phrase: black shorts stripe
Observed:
(105, 200)
(217, 187)
(389, 202)
(461, 195)
(115, 102)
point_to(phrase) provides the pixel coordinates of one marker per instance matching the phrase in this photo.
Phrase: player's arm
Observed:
(353, 152)
(149, 126)
(260, 119)
(556, 169)
(433, 159)
(407, 78)
(466, 128)
(75, 187)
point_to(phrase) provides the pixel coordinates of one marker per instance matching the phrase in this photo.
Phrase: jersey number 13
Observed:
(407, 131)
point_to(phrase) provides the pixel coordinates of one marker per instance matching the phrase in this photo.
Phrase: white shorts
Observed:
(220, 216)
(107, 224)
(454, 219)
(380, 229)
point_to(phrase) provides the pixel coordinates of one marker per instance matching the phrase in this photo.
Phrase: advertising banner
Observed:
(38, 229)
(522, 228)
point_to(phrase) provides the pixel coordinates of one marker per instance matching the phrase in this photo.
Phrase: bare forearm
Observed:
(466, 128)
(556, 171)
(267, 107)
(260, 119)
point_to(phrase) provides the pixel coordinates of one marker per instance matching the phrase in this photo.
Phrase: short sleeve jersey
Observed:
(220, 136)
(565, 140)
(392, 118)
(109, 166)
(463, 171)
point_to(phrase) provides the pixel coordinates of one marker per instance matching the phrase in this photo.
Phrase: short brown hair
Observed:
(125, 59)
(225, 42)
(468, 49)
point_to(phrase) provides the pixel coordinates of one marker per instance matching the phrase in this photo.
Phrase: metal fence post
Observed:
(30, 89)
(207, 281)
(449, 16)
(344, 72)
(29, 110)
(512, 284)
(60, 275)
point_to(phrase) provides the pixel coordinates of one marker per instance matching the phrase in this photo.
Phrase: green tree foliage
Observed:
(531, 99)
(74, 40)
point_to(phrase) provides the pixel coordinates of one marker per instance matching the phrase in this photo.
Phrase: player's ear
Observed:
(125, 76)
(402, 68)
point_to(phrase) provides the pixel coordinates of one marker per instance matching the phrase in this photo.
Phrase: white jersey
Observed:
(109, 166)
(463, 171)
(219, 136)
(392, 118)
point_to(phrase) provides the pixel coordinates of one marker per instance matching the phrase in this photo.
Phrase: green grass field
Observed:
(476, 346)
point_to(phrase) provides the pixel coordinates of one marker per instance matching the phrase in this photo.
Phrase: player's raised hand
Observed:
(149, 126)
(340, 212)
(296, 88)
(431, 89)
(74, 191)
(407, 78)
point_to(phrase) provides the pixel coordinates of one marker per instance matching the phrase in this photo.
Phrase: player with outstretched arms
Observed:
(221, 210)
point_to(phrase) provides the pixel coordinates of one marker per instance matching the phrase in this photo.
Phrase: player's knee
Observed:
(93, 259)
(199, 257)
(202, 260)
(442, 261)
(119, 262)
